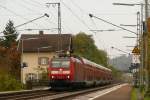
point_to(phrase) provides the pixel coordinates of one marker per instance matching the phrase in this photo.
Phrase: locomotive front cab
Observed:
(60, 69)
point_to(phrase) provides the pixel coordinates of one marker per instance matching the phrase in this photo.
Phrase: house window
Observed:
(43, 60)
(31, 76)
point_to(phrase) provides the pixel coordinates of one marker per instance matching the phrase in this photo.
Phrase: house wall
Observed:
(32, 64)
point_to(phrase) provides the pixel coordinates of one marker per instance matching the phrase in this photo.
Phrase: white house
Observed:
(36, 51)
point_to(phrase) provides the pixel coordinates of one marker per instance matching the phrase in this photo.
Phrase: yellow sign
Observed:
(136, 50)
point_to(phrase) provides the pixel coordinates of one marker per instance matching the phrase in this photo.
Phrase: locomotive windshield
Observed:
(57, 63)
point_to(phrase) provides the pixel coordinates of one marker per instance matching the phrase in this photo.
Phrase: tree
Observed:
(14, 57)
(84, 46)
(8, 51)
(12, 34)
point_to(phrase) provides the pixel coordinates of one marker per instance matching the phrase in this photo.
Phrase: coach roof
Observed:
(94, 64)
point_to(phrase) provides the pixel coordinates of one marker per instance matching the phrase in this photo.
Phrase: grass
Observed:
(134, 95)
(147, 98)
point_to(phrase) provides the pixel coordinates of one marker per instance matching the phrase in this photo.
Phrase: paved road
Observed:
(123, 93)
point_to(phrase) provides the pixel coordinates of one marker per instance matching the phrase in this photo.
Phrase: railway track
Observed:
(50, 95)
(26, 95)
(70, 94)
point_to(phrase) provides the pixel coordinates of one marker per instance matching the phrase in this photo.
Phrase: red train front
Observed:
(60, 72)
(77, 72)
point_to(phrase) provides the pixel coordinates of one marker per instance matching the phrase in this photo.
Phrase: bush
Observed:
(9, 83)
(133, 94)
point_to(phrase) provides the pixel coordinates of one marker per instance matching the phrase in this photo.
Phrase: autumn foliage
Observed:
(9, 56)
(10, 60)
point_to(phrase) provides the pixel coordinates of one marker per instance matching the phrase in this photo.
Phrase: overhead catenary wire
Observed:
(30, 29)
(32, 20)
(82, 21)
(77, 6)
(91, 15)
(100, 40)
(84, 12)
(26, 5)
(26, 23)
(33, 3)
(64, 25)
(37, 5)
(11, 11)
(103, 30)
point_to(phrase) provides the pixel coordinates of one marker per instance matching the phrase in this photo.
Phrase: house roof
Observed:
(45, 42)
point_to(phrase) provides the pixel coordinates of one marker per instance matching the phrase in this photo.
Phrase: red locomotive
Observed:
(77, 72)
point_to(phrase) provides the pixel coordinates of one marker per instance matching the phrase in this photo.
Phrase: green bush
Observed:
(9, 83)
(133, 94)
(147, 98)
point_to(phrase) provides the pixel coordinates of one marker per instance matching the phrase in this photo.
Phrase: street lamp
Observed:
(134, 4)
(120, 50)
(93, 16)
(45, 15)
(141, 39)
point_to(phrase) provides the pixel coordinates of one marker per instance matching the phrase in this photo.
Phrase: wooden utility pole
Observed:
(147, 48)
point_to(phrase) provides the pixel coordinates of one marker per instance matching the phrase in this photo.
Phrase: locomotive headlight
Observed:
(68, 76)
(52, 77)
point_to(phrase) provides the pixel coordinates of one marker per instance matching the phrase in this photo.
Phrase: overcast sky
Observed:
(75, 19)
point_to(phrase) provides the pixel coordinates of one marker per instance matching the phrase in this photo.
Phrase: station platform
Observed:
(118, 92)
(122, 93)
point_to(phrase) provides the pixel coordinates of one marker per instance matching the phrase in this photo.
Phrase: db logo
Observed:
(60, 71)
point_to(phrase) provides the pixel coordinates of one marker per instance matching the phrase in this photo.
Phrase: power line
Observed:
(32, 20)
(111, 23)
(100, 40)
(36, 2)
(33, 3)
(14, 13)
(82, 21)
(26, 23)
(110, 30)
(24, 6)
(65, 26)
(30, 9)
(120, 50)
(77, 6)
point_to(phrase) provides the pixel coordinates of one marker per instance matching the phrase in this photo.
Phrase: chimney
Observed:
(41, 32)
